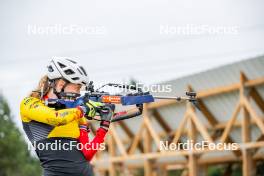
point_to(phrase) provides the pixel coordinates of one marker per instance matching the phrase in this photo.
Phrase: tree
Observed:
(15, 158)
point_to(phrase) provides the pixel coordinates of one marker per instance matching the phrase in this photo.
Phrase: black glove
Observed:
(90, 108)
(106, 114)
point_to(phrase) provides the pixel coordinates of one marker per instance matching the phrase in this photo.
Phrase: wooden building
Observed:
(231, 99)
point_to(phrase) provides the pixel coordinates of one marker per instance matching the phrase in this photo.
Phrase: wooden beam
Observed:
(200, 127)
(230, 123)
(218, 90)
(112, 152)
(219, 160)
(254, 82)
(161, 121)
(175, 166)
(195, 122)
(117, 139)
(192, 132)
(139, 146)
(136, 139)
(148, 171)
(192, 159)
(207, 113)
(257, 97)
(247, 154)
(151, 130)
(237, 124)
(247, 157)
(192, 165)
(246, 136)
(130, 134)
(147, 149)
(260, 138)
(143, 156)
(254, 115)
(126, 129)
(178, 132)
(248, 163)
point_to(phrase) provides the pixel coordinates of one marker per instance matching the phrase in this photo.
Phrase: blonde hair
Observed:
(42, 88)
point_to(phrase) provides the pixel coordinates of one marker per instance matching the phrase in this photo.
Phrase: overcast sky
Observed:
(129, 40)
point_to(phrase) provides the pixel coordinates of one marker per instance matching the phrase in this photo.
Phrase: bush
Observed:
(15, 157)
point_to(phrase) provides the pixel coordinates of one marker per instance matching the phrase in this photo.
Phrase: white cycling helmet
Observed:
(67, 69)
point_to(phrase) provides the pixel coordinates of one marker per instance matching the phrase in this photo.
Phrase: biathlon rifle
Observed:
(137, 97)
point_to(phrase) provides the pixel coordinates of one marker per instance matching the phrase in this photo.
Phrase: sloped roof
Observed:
(221, 105)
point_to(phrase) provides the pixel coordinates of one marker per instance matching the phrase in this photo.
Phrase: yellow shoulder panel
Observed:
(34, 109)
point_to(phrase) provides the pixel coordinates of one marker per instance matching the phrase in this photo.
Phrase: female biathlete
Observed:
(46, 124)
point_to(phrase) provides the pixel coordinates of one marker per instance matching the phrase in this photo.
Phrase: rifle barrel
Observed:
(171, 98)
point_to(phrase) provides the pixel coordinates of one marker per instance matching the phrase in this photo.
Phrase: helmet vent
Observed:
(72, 61)
(61, 65)
(50, 69)
(79, 71)
(75, 78)
(83, 70)
(69, 72)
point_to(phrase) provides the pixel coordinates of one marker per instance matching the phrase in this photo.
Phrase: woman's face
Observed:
(72, 88)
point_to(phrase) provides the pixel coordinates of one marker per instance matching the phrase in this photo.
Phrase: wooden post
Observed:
(193, 169)
(194, 126)
(248, 168)
(192, 165)
(164, 171)
(147, 146)
(112, 152)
